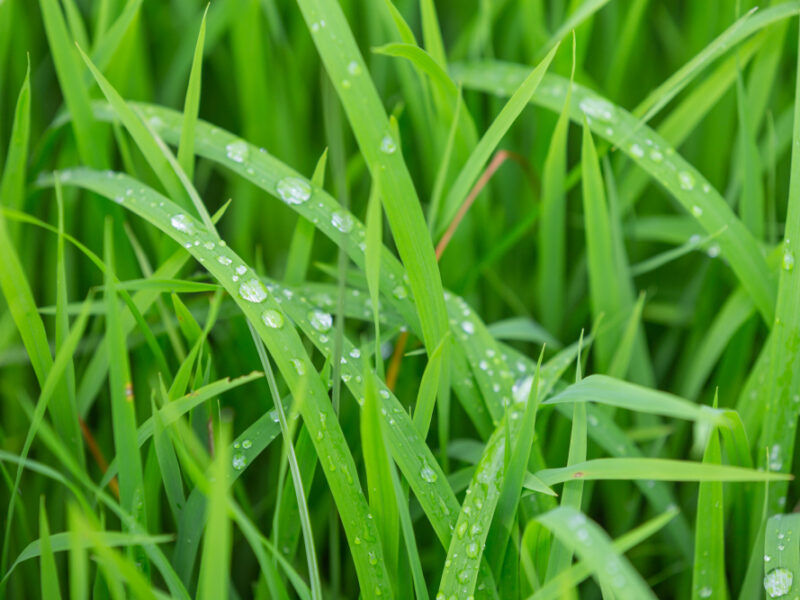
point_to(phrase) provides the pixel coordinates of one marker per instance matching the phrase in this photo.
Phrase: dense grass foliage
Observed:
(399, 299)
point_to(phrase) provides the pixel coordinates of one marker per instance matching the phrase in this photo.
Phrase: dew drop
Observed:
(788, 260)
(472, 550)
(355, 353)
(298, 366)
(239, 461)
(637, 150)
(237, 151)
(294, 190)
(388, 145)
(253, 290)
(656, 156)
(354, 68)
(778, 582)
(704, 592)
(182, 223)
(400, 292)
(246, 444)
(686, 180)
(224, 260)
(342, 221)
(428, 474)
(468, 327)
(272, 318)
(597, 108)
(321, 321)
(697, 211)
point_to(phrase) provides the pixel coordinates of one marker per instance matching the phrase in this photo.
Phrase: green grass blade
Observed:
(708, 578)
(783, 385)
(580, 571)
(592, 545)
(297, 479)
(89, 139)
(123, 411)
(656, 469)
(339, 53)
(480, 155)
(47, 571)
(167, 460)
(382, 499)
(655, 155)
(191, 105)
(292, 359)
(552, 229)
(133, 123)
(12, 184)
(215, 563)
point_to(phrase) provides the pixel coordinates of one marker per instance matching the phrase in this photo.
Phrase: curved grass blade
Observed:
(480, 155)
(580, 571)
(591, 543)
(285, 346)
(652, 153)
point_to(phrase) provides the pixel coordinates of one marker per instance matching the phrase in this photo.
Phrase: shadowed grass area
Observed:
(280, 319)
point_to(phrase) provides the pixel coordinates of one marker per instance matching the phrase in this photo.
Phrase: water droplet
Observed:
(239, 461)
(209, 245)
(272, 318)
(656, 156)
(237, 151)
(299, 366)
(468, 327)
(686, 180)
(463, 576)
(354, 68)
(697, 211)
(597, 108)
(355, 353)
(246, 444)
(788, 260)
(182, 223)
(388, 145)
(461, 529)
(713, 251)
(427, 473)
(342, 221)
(400, 292)
(294, 190)
(253, 291)
(704, 592)
(321, 321)
(778, 582)
(241, 269)
(224, 260)
(637, 150)
(472, 550)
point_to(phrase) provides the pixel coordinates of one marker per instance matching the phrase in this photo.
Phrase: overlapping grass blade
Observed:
(654, 154)
(593, 546)
(286, 348)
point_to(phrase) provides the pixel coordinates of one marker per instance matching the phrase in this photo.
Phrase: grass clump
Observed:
(399, 299)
